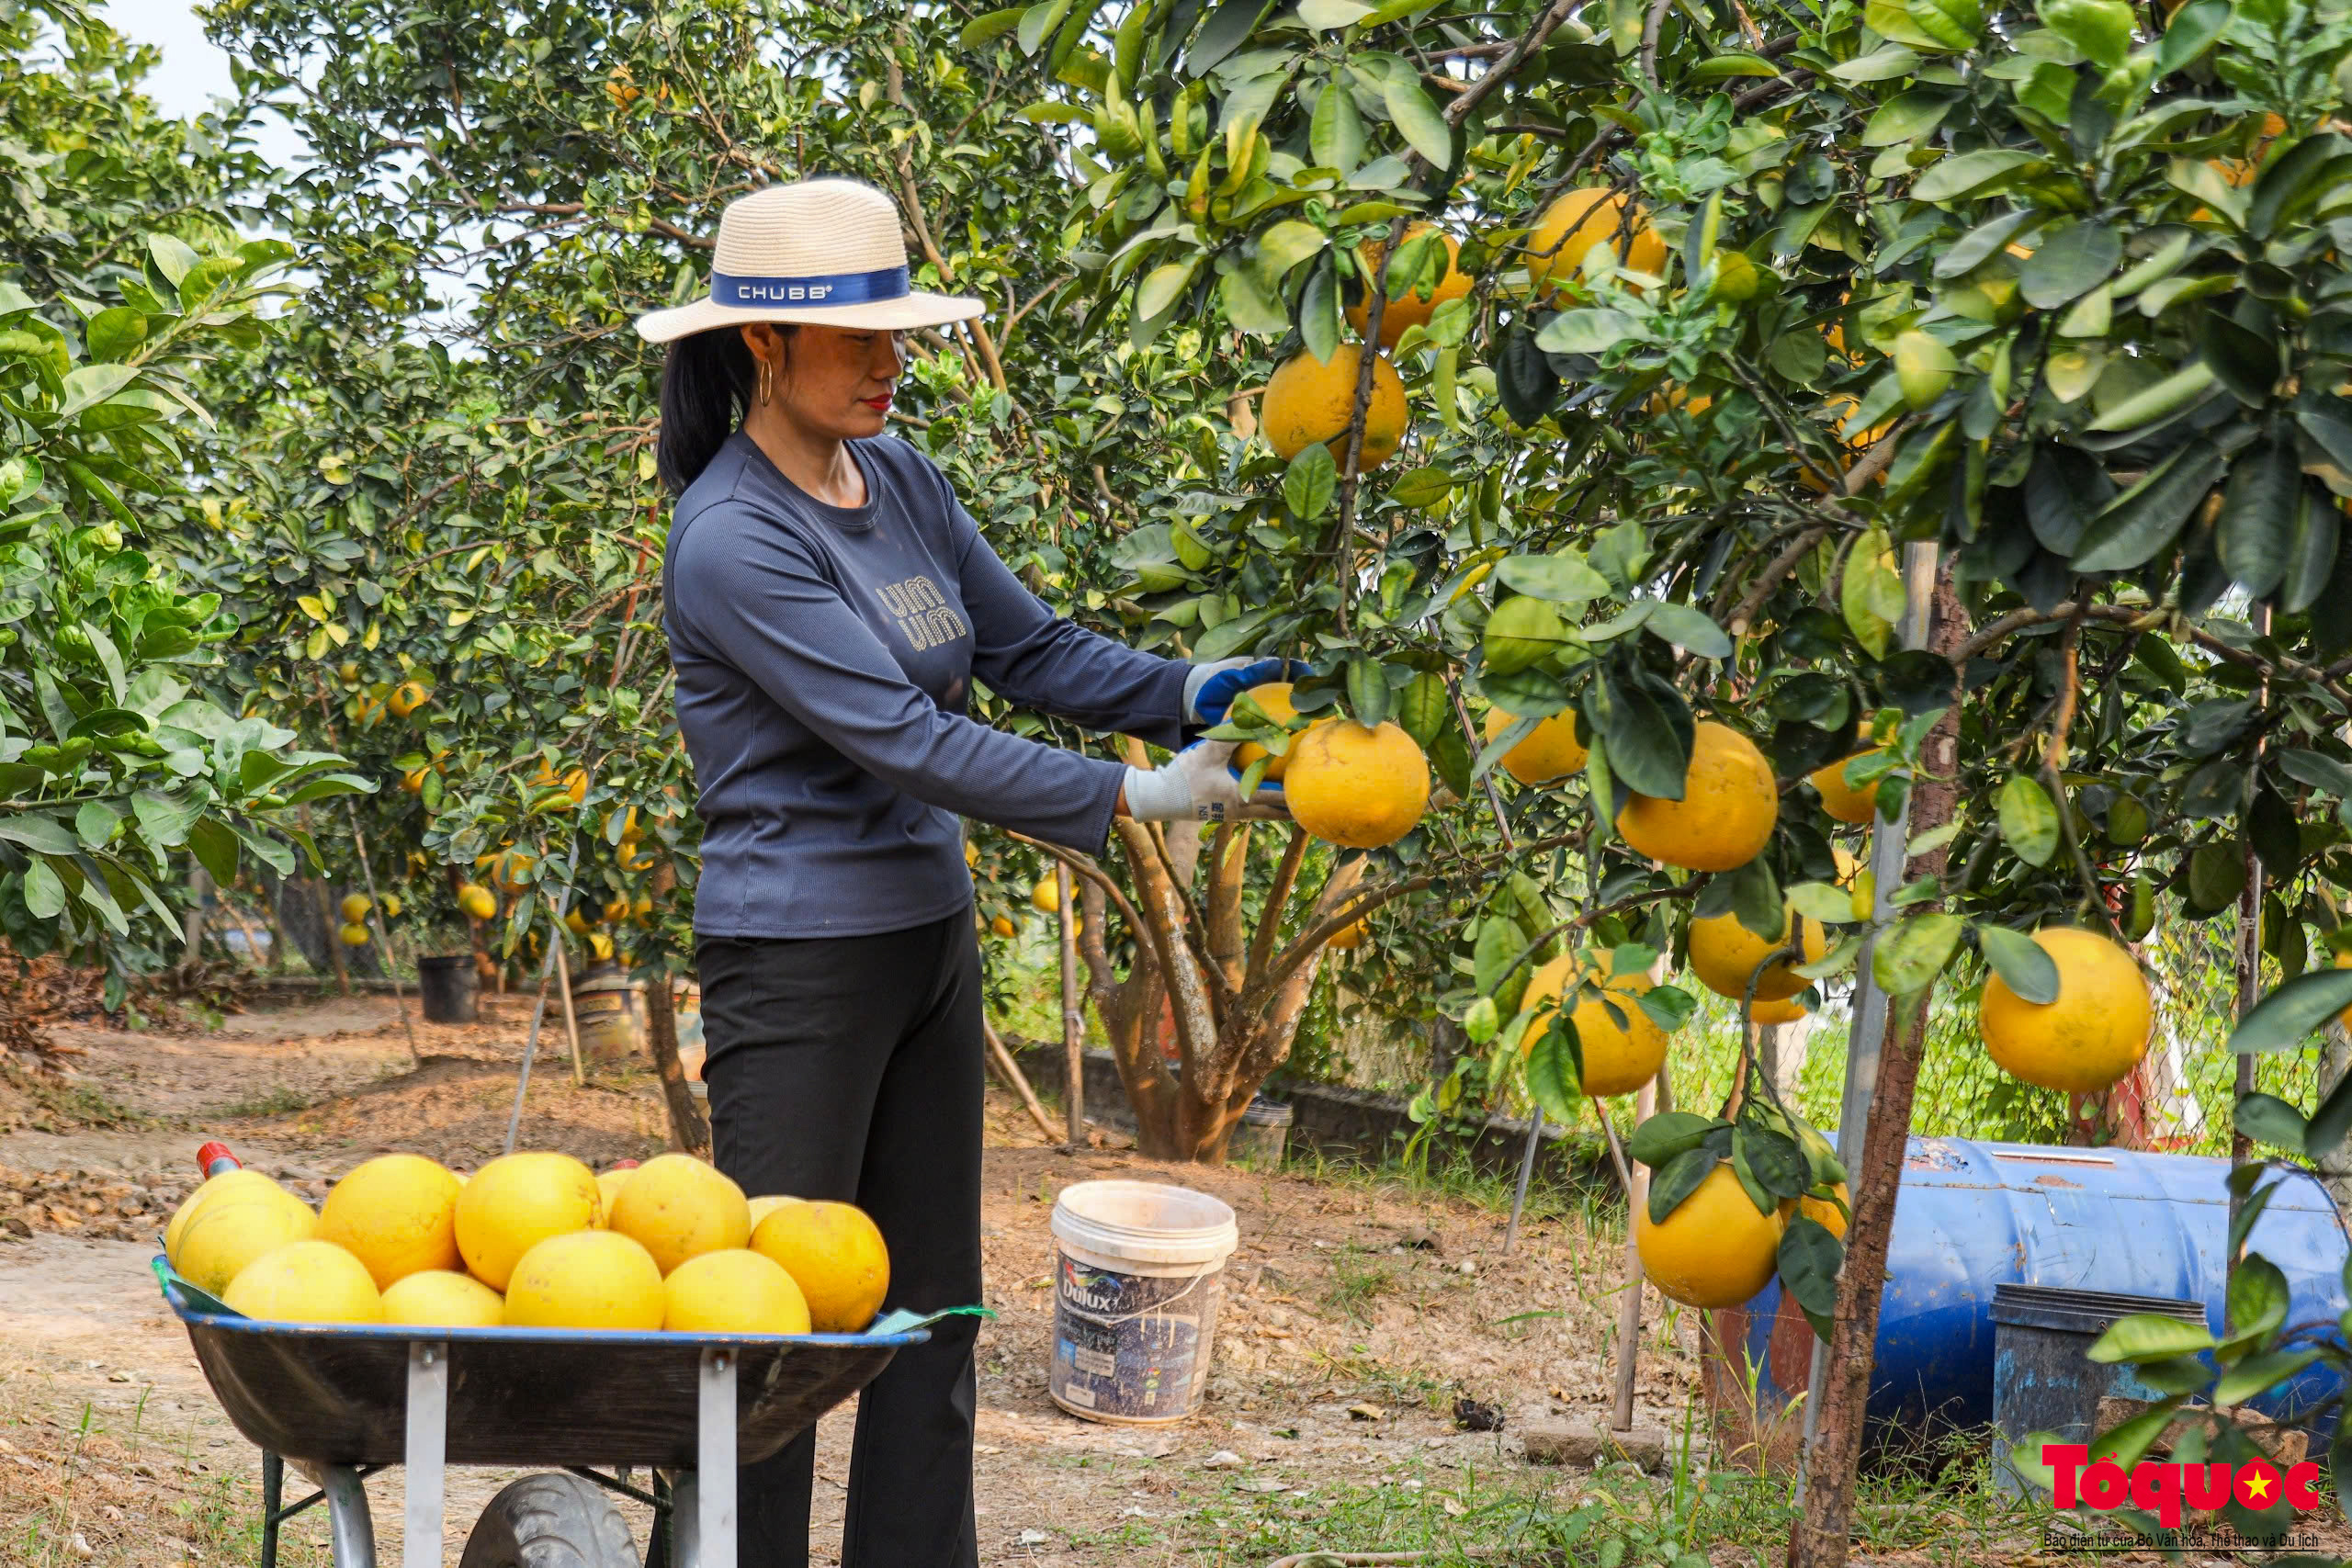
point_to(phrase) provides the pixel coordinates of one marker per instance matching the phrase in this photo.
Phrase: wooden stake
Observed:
(1016, 1080)
(571, 1021)
(1628, 1306)
(1073, 1021)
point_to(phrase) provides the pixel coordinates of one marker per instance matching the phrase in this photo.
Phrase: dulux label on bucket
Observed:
(1131, 1346)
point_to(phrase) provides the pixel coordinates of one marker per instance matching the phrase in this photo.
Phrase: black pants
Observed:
(851, 1068)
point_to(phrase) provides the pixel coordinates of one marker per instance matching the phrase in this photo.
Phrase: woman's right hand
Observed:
(1199, 784)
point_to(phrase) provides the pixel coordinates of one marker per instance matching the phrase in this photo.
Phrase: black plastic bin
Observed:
(449, 987)
(2043, 1380)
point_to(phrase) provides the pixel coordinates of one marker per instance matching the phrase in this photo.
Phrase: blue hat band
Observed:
(828, 288)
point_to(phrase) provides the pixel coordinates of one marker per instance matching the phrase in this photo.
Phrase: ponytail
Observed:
(705, 390)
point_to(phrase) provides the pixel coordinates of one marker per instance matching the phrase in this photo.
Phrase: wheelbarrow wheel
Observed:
(552, 1520)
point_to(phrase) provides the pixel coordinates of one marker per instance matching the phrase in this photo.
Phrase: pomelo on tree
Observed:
(586, 1278)
(1729, 804)
(1714, 1249)
(353, 935)
(1357, 786)
(478, 901)
(1309, 400)
(1579, 222)
(1617, 1058)
(354, 907)
(442, 1298)
(677, 1207)
(1274, 699)
(835, 1253)
(733, 1290)
(396, 1213)
(1847, 803)
(1787, 1010)
(2094, 1034)
(1046, 895)
(1723, 954)
(306, 1281)
(1414, 307)
(517, 1202)
(409, 696)
(1549, 751)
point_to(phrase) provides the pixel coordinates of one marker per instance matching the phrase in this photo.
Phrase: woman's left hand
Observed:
(1210, 688)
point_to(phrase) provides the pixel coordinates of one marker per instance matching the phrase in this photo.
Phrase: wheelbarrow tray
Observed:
(337, 1394)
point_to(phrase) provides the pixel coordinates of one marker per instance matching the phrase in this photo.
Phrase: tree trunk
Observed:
(688, 1130)
(1822, 1537)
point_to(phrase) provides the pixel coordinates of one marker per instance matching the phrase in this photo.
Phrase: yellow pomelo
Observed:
(1003, 928)
(517, 1202)
(2344, 961)
(1414, 308)
(306, 1281)
(354, 907)
(1348, 937)
(1045, 896)
(1826, 1213)
(1846, 864)
(1274, 698)
(2094, 1034)
(608, 1192)
(478, 901)
(585, 1280)
(1310, 399)
(1551, 750)
(235, 1230)
(409, 696)
(397, 1213)
(677, 1207)
(440, 1298)
(1788, 1010)
(1714, 1249)
(1576, 223)
(1729, 804)
(768, 1203)
(1355, 786)
(835, 1255)
(1617, 1058)
(1723, 954)
(242, 1180)
(1841, 407)
(735, 1291)
(1842, 801)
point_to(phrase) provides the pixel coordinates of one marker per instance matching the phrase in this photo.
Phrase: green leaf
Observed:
(1285, 245)
(1423, 127)
(1677, 1180)
(1036, 22)
(2260, 1374)
(2101, 30)
(1310, 483)
(1809, 1261)
(2244, 362)
(2020, 962)
(2072, 261)
(1367, 690)
(1971, 173)
(1320, 322)
(1326, 15)
(1163, 285)
(1667, 1135)
(2189, 32)
(1565, 579)
(2175, 394)
(89, 385)
(1587, 331)
(2290, 1015)
(1907, 116)
(985, 30)
(2126, 1444)
(2148, 1337)
(115, 332)
(173, 258)
(1648, 730)
(1424, 487)
(1910, 953)
(1822, 901)
(42, 834)
(216, 850)
(1335, 135)
(2255, 532)
(2029, 820)
(2267, 1119)
(44, 893)
(1554, 1071)
(2147, 518)
(2258, 1301)
(1688, 628)
(1883, 65)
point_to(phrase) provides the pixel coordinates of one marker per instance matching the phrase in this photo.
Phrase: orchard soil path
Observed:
(1356, 1314)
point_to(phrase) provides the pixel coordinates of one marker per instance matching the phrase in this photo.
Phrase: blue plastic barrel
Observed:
(1970, 1217)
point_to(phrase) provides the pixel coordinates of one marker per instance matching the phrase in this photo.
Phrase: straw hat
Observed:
(823, 251)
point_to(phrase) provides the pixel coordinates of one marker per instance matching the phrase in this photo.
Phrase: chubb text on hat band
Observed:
(832, 289)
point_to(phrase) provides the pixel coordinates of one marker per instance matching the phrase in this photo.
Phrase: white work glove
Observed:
(1199, 784)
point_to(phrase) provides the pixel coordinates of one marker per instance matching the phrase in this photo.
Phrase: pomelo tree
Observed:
(1755, 303)
(123, 756)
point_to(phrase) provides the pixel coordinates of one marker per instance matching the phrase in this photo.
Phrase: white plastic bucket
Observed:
(1137, 1280)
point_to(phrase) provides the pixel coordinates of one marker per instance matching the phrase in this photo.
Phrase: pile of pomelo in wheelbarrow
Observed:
(533, 1240)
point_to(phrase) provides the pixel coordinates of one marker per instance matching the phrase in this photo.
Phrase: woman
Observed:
(828, 604)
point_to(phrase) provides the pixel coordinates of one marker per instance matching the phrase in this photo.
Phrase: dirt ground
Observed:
(1357, 1314)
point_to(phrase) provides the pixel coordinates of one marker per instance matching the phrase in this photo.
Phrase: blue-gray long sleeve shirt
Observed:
(825, 659)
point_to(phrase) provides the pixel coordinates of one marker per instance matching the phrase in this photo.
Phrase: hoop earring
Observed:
(767, 382)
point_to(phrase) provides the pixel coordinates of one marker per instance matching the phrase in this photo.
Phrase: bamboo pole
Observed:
(1016, 1080)
(383, 937)
(571, 1021)
(1628, 1306)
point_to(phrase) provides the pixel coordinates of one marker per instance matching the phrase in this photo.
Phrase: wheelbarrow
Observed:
(343, 1401)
